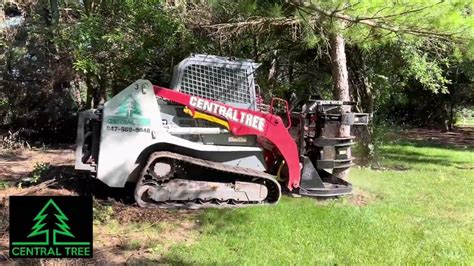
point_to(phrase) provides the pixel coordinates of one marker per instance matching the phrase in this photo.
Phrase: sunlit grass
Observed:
(465, 122)
(423, 214)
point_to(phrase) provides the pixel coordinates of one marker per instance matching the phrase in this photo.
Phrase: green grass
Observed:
(422, 215)
(466, 122)
(5, 184)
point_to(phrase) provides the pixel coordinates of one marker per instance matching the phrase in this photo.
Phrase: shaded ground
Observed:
(122, 231)
(15, 164)
(402, 155)
(462, 137)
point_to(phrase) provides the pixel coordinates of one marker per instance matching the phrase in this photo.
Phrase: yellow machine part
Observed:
(210, 118)
(280, 168)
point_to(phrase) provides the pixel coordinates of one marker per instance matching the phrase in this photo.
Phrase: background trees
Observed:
(408, 64)
(113, 44)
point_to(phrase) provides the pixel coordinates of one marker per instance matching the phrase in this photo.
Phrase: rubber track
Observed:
(244, 174)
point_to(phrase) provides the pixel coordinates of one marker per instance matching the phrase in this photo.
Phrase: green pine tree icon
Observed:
(61, 226)
(129, 107)
(45, 226)
(136, 109)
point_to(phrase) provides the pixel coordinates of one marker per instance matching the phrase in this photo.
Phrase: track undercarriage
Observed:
(171, 180)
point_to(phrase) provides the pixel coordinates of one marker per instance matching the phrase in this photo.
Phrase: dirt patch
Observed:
(118, 242)
(15, 164)
(360, 197)
(129, 235)
(125, 214)
(395, 167)
(152, 234)
(459, 137)
(466, 166)
(125, 233)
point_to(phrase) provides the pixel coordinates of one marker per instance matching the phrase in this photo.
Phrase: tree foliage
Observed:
(135, 40)
(408, 62)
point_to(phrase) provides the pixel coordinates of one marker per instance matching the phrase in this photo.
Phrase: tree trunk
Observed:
(290, 72)
(2, 12)
(255, 48)
(87, 6)
(54, 12)
(341, 87)
(90, 93)
(451, 116)
(452, 102)
(361, 90)
(102, 92)
(273, 72)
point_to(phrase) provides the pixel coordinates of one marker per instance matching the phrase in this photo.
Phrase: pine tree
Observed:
(38, 228)
(135, 108)
(129, 107)
(125, 109)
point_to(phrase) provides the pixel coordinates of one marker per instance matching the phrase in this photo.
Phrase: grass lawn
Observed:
(417, 209)
(466, 122)
(421, 213)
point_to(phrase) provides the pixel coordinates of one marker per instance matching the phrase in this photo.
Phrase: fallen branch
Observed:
(34, 189)
(26, 191)
(253, 23)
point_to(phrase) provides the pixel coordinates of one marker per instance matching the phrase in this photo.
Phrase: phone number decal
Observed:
(129, 129)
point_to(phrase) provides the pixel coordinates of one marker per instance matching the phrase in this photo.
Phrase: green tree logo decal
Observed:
(129, 112)
(60, 227)
(129, 108)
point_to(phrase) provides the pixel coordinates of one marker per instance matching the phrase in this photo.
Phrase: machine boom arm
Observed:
(245, 122)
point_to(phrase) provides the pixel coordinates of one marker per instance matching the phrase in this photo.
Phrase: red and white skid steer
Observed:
(208, 141)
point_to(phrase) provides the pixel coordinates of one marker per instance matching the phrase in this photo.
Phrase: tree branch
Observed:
(378, 25)
(252, 22)
(315, 13)
(401, 13)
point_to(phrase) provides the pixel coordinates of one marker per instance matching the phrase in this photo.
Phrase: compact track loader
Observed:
(210, 141)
